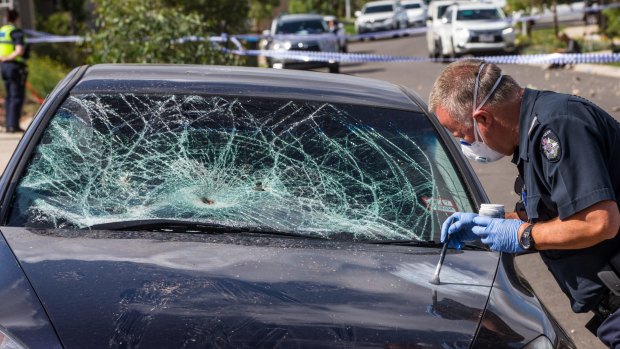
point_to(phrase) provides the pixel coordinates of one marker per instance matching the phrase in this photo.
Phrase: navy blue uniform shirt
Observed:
(569, 159)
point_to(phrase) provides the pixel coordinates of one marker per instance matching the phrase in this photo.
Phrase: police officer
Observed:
(566, 152)
(14, 73)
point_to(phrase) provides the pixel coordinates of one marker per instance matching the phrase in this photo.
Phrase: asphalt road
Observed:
(498, 178)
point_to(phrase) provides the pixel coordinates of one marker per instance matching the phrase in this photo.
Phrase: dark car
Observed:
(302, 33)
(225, 207)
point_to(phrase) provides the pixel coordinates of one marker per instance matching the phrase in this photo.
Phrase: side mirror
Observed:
(358, 13)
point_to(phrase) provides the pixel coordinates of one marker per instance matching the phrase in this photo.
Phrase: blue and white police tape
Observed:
(41, 37)
(306, 56)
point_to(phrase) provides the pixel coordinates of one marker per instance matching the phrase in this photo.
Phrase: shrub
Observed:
(44, 73)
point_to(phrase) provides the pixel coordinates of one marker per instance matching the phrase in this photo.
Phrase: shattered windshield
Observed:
(294, 166)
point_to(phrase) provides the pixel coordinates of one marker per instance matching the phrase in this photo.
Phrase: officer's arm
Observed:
(19, 51)
(585, 228)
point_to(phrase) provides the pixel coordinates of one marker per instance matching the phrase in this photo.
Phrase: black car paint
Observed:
(151, 289)
(496, 318)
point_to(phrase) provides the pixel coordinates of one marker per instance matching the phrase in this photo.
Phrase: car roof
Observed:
(242, 82)
(383, 2)
(446, 2)
(299, 17)
(475, 5)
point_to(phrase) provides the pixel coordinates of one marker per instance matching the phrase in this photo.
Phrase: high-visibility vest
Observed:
(7, 46)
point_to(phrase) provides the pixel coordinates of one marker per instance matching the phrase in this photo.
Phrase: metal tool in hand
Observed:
(442, 256)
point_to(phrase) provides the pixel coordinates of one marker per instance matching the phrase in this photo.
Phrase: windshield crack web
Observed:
(303, 167)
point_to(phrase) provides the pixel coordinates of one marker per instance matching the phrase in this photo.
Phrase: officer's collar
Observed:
(526, 121)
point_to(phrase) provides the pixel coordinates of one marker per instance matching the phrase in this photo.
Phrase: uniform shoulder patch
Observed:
(550, 146)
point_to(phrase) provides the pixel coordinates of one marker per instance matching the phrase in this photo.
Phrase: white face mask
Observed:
(478, 150)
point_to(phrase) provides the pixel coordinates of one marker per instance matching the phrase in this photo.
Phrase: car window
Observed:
(378, 8)
(304, 167)
(412, 6)
(301, 27)
(441, 10)
(448, 15)
(478, 14)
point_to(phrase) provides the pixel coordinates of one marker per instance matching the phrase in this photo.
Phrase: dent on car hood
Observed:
(140, 289)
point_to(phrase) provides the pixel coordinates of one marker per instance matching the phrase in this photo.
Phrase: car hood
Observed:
(380, 16)
(415, 12)
(129, 289)
(483, 25)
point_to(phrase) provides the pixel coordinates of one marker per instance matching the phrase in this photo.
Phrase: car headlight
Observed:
(282, 45)
(541, 342)
(507, 31)
(8, 342)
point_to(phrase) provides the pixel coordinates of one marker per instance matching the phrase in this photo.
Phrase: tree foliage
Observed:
(147, 31)
(613, 22)
(315, 6)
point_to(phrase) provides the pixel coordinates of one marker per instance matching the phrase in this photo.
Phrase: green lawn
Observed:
(544, 41)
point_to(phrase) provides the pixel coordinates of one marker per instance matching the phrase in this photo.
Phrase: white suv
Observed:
(379, 16)
(416, 12)
(434, 25)
(470, 28)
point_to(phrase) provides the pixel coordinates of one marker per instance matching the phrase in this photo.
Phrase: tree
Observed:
(147, 31)
(317, 6)
(612, 19)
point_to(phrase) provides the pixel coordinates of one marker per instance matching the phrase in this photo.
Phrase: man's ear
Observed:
(483, 118)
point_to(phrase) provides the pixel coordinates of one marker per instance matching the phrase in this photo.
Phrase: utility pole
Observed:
(347, 8)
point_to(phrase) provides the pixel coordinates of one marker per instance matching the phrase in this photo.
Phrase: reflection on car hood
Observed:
(130, 289)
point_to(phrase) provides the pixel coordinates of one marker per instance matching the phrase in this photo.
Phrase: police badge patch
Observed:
(550, 146)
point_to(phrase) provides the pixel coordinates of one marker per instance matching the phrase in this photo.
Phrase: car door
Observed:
(446, 32)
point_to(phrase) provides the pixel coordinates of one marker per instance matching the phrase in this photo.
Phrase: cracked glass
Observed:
(307, 167)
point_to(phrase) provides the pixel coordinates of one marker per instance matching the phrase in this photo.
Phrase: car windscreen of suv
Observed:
(378, 9)
(478, 14)
(301, 27)
(412, 6)
(301, 167)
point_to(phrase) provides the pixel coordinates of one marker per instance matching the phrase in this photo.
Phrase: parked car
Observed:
(302, 32)
(476, 28)
(172, 206)
(380, 16)
(434, 25)
(416, 12)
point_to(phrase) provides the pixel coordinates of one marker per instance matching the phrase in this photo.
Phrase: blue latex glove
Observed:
(459, 227)
(499, 234)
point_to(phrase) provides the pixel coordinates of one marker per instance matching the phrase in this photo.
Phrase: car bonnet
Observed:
(150, 289)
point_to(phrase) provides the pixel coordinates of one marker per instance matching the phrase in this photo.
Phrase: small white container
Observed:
(492, 210)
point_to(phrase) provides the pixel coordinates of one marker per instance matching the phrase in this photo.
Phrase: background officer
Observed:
(565, 149)
(14, 73)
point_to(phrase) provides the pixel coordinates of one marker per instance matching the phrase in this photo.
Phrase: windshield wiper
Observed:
(418, 243)
(423, 243)
(183, 226)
